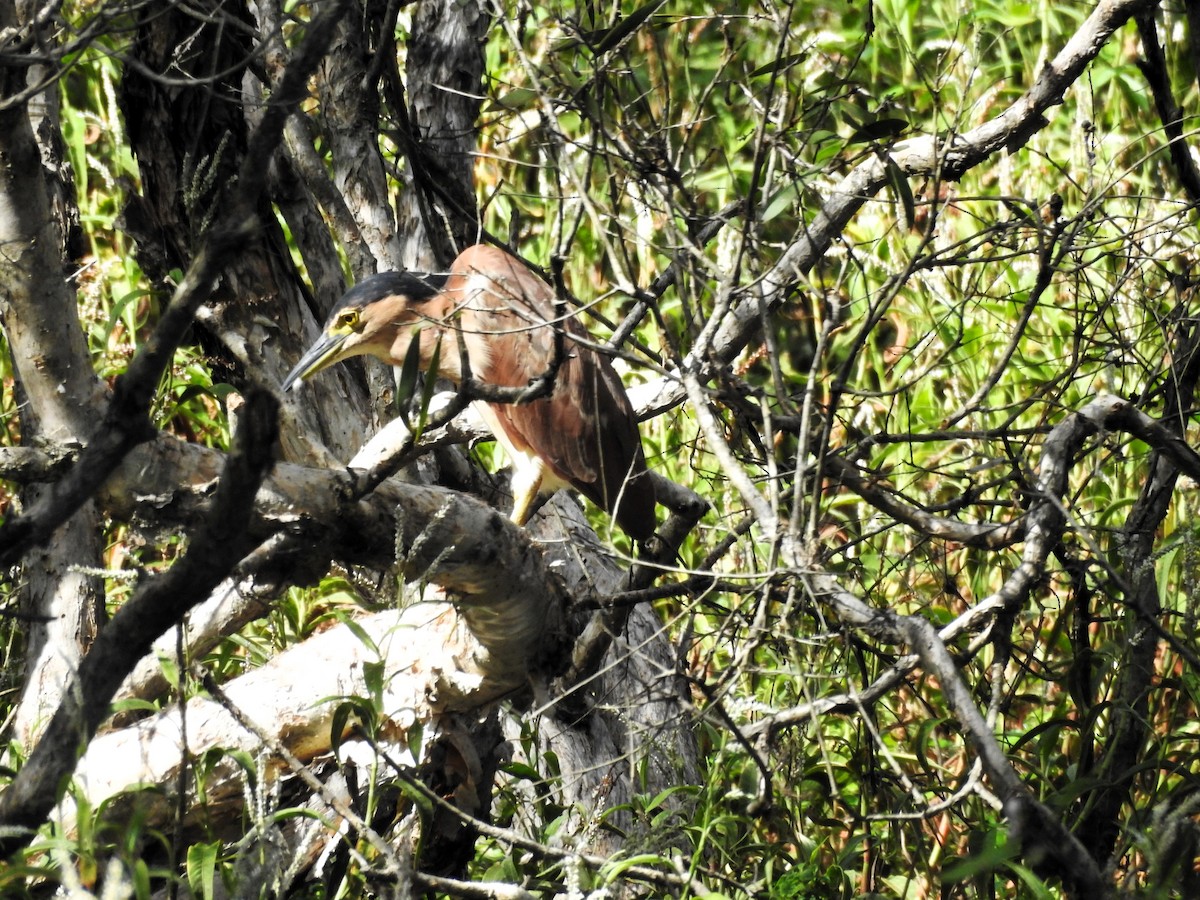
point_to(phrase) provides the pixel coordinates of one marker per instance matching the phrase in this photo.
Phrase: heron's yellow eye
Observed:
(347, 321)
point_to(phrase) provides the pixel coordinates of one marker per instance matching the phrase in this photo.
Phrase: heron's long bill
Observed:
(325, 352)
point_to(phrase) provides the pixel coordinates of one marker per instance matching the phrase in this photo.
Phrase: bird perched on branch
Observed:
(495, 313)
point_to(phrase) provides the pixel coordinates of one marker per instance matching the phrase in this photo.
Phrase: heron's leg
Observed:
(526, 480)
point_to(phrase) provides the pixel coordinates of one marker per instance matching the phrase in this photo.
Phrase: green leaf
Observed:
(614, 867)
(133, 705)
(604, 40)
(351, 708)
(662, 796)
(521, 770)
(780, 65)
(1035, 884)
(202, 868)
(1010, 15)
(170, 670)
(222, 391)
(359, 632)
(408, 374)
(373, 676)
(516, 100)
(191, 392)
(783, 199)
(247, 763)
(1020, 213)
(903, 192)
(141, 878)
(414, 739)
(427, 392)
(419, 798)
(118, 310)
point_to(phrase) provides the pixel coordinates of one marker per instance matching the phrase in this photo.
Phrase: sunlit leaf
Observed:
(780, 65)
(603, 41)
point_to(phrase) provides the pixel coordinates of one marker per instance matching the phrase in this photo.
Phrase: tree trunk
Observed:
(444, 65)
(63, 601)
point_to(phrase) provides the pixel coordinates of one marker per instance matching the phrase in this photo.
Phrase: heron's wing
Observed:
(586, 430)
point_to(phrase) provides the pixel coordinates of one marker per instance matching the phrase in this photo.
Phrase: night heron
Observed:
(583, 434)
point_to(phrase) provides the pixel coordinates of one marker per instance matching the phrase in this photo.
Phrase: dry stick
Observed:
(951, 158)
(1027, 815)
(126, 420)
(645, 299)
(316, 177)
(246, 595)
(1129, 722)
(593, 642)
(220, 542)
(543, 851)
(1011, 129)
(25, 44)
(767, 519)
(887, 500)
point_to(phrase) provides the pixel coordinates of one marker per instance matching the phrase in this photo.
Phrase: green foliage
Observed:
(811, 880)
